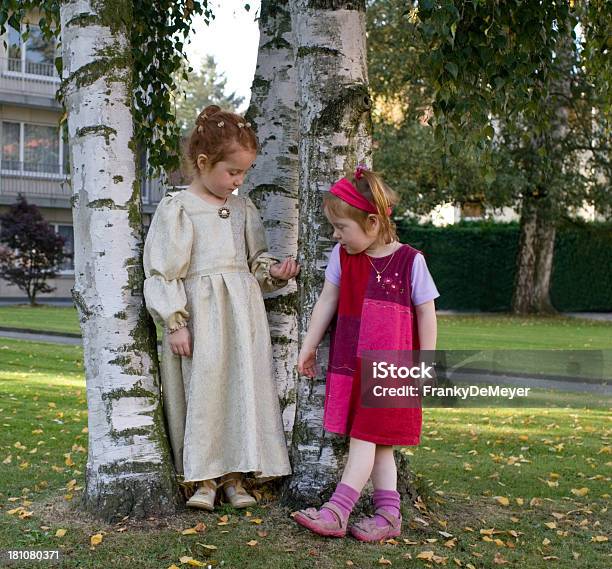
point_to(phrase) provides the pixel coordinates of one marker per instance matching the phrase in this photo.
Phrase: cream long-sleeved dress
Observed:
(221, 404)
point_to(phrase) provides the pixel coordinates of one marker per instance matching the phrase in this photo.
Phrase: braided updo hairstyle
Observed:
(216, 134)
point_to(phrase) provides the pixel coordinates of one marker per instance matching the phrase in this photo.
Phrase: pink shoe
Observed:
(312, 520)
(367, 530)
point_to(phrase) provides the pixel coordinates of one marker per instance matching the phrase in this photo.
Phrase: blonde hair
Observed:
(371, 186)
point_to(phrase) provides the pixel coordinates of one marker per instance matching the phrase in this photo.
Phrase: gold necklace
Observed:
(379, 273)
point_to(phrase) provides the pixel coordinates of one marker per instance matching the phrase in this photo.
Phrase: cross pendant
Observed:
(378, 277)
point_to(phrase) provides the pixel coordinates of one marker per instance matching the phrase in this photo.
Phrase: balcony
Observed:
(153, 190)
(28, 83)
(43, 184)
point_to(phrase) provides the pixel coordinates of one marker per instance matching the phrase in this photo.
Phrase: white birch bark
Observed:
(128, 468)
(334, 130)
(273, 184)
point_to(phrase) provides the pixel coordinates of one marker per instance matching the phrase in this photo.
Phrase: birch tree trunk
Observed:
(273, 184)
(334, 135)
(129, 471)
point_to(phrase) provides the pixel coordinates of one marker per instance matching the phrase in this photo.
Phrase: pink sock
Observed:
(345, 498)
(388, 500)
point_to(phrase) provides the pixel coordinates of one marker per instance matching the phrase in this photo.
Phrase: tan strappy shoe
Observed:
(204, 497)
(235, 493)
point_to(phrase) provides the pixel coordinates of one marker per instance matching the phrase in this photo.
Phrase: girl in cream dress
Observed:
(206, 265)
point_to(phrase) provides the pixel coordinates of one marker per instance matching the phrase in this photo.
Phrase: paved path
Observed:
(40, 337)
(31, 336)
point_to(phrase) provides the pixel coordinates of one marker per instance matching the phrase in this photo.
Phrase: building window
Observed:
(35, 56)
(472, 210)
(33, 149)
(11, 146)
(67, 232)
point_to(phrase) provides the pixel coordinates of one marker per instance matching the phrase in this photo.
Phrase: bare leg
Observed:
(384, 472)
(359, 464)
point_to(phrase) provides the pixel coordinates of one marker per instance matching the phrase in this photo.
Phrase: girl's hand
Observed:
(307, 361)
(286, 270)
(180, 342)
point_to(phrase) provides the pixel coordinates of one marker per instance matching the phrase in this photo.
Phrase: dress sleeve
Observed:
(167, 255)
(333, 271)
(259, 259)
(422, 283)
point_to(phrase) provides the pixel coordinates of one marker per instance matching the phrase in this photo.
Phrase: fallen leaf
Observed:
(60, 533)
(580, 491)
(499, 560)
(551, 525)
(189, 531)
(502, 500)
(428, 555)
(599, 538)
(383, 561)
(252, 543)
(96, 539)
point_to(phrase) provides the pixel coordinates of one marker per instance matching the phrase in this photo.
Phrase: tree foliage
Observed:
(489, 79)
(199, 88)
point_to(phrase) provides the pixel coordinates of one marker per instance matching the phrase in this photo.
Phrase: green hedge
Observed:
(474, 264)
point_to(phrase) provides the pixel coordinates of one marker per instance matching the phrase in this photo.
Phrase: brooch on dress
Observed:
(224, 212)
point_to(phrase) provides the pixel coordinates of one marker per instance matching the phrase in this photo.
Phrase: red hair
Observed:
(371, 186)
(216, 134)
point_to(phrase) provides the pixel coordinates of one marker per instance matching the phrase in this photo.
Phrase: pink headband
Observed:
(348, 193)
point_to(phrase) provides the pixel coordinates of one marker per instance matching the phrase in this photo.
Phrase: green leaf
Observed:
(452, 69)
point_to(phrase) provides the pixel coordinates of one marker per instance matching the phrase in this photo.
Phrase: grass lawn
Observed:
(43, 317)
(491, 331)
(529, 487)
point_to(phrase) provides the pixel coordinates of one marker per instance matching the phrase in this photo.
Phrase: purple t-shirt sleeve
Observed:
(423, 286)
(332, 272)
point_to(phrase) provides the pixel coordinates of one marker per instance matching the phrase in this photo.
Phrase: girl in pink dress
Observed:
(382, 296)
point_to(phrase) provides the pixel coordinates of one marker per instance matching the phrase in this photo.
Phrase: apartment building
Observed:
(34, 157)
